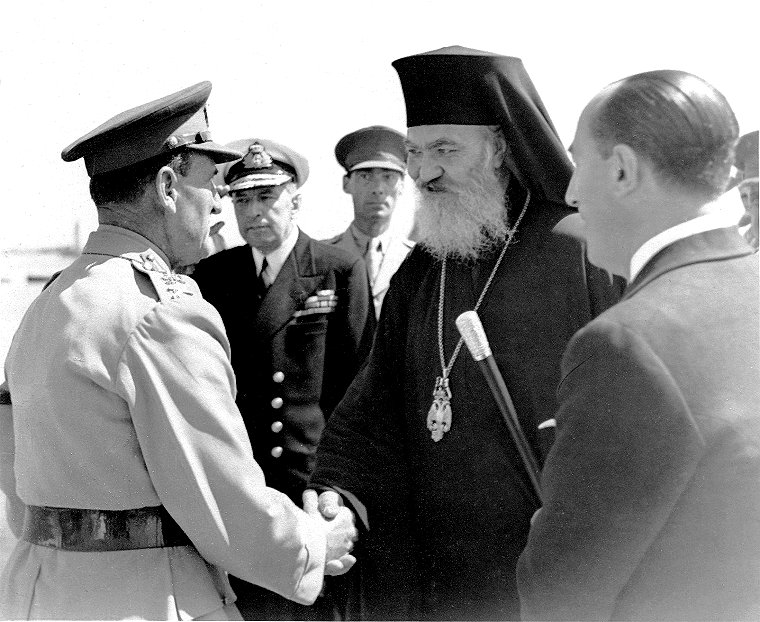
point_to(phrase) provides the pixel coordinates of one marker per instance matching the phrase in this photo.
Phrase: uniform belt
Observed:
(73, 529)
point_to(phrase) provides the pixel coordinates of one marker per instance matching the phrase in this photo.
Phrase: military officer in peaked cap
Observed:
(132, 464)
(299, 320)
(375, 162)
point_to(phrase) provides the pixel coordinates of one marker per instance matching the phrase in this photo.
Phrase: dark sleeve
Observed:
(350, 334)
(362, 455)
(626, 448)
(362, 450)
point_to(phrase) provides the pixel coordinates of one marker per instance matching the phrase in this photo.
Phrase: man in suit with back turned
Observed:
(651, 504)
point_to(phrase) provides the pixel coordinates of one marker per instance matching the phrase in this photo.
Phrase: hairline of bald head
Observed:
(646, 112)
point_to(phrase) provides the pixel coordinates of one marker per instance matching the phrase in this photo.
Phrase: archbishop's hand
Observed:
(340, 529)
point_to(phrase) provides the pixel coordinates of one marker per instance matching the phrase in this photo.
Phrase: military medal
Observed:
(439, 415)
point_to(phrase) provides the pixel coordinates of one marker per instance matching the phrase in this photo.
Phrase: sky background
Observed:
(305, 73)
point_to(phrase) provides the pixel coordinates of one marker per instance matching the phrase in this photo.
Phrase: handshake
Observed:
(340, 529)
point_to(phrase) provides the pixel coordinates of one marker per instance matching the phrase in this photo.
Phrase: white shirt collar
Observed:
(275, 259)
(717, 219)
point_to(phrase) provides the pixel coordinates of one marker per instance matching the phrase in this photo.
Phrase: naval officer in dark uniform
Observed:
(300, 321)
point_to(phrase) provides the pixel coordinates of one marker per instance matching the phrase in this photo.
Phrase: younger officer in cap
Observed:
(375, 162)
(130, 455)
(299, 320)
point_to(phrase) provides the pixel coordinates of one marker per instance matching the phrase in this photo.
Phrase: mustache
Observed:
(461, 220)
(434, 185)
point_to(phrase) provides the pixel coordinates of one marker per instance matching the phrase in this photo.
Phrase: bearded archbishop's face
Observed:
(460, 198)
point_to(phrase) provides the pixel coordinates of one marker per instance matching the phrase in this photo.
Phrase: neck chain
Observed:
(439, 415)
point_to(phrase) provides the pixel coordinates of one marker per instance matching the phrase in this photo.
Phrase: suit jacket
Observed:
(651, 497)
(398, 249)
(290, 372)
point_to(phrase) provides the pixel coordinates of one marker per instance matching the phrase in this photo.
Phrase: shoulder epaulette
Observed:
(168, 286)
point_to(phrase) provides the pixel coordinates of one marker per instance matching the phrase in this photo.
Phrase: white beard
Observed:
(462, 221)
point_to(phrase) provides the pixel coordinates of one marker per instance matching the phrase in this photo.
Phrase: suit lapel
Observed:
(713, 245)
(288, 291)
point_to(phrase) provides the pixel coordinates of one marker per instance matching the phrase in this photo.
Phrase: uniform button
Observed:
(278, 376)
(276, 426)
(276, 452)
(277, 402)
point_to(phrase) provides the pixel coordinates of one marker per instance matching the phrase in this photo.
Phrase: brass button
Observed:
(276, 452)
(278, 376)
(276, 426)
(277, 402)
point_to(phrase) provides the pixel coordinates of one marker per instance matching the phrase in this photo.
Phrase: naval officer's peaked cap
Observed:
(265, 163)
(158, 127)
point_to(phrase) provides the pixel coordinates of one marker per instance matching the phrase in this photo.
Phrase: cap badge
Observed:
(257, 157)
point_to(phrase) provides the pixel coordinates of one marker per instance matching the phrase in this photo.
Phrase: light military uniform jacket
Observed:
(123, 397)
(395, 253)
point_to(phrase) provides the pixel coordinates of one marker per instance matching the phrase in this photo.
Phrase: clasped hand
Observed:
(340, 529)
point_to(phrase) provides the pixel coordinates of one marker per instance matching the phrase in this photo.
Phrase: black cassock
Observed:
(448, 520)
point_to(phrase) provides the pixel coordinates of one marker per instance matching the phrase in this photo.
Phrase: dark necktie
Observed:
(261, 286)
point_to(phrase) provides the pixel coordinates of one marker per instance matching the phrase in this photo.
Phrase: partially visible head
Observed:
(264, 188)
(459, 178)
(375, 162)
(649, 136)
(747, 166)
(748, 189)
(152, 169)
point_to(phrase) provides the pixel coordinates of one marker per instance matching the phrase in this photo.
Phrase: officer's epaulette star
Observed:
(168, 286)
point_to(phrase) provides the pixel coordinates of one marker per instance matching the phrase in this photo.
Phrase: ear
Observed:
(296, 204)
(501, 150)
(166, 187)
(625, 169)
(346, 183)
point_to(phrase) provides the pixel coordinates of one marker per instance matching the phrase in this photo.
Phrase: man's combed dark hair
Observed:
(677, 121)
(126, 185)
